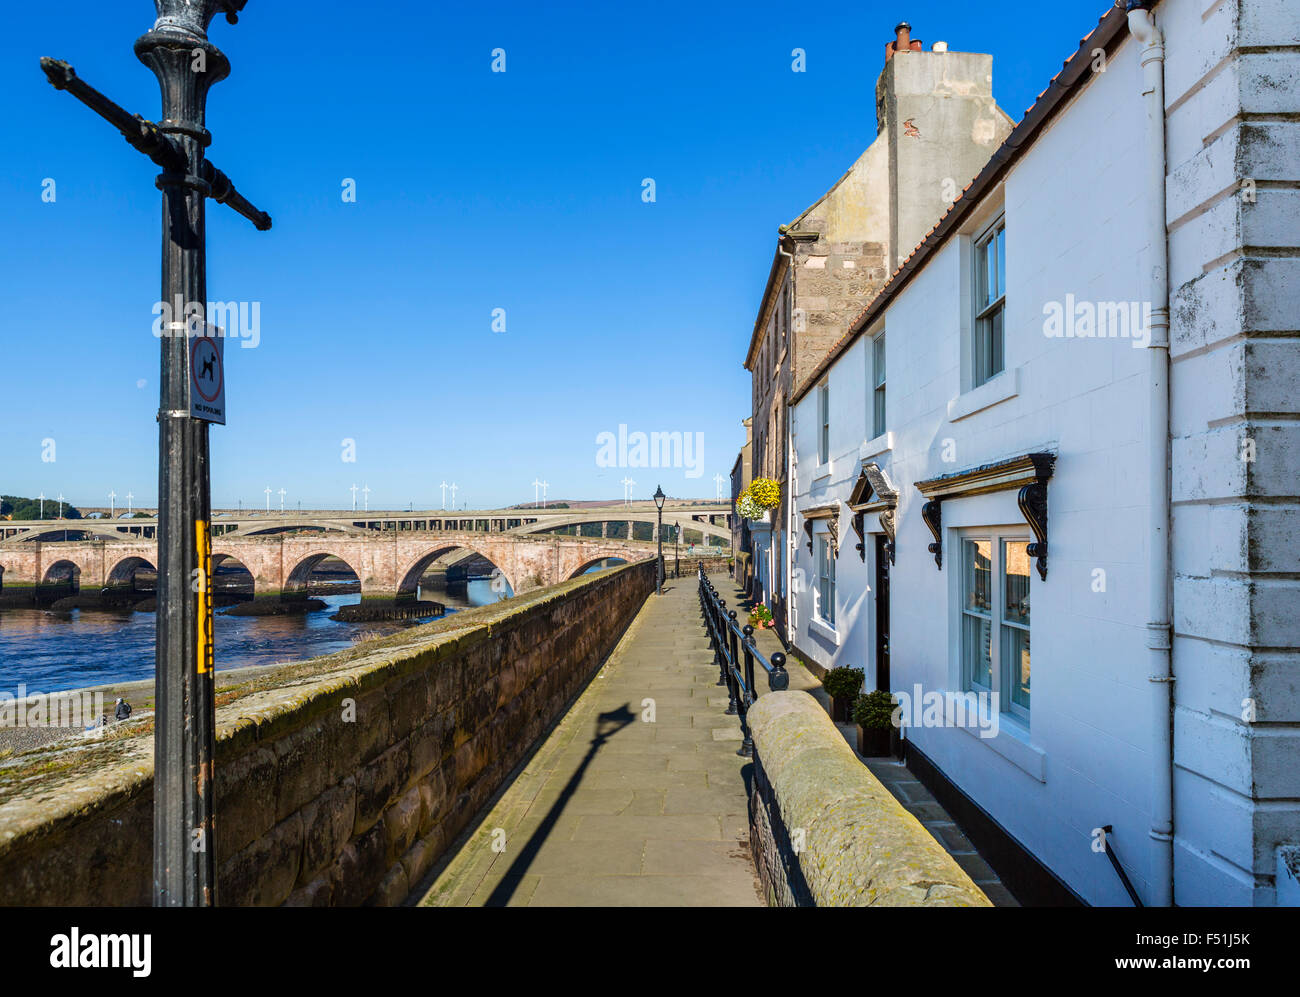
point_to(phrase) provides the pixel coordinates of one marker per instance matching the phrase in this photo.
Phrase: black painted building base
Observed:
(1030, 882)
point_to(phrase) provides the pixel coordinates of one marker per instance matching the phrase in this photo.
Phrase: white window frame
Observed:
(823, 422)
(824, 566)
(996, 619)
(984, 312)
(877, 414)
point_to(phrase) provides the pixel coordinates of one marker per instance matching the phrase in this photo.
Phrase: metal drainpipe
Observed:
(1143, 28)
(786, 559)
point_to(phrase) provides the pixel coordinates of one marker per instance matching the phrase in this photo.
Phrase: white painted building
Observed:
(971, 385)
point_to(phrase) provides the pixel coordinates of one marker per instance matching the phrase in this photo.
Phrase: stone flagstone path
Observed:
(614, 810)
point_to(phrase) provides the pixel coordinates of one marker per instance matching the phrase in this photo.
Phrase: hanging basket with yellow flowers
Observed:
(765, 492)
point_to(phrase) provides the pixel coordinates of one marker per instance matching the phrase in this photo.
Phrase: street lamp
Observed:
(659, 535)
(187, 65)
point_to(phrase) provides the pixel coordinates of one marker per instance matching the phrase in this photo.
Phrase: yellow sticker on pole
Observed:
(203, 547)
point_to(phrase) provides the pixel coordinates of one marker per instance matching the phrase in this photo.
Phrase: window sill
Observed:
(999, 389)
(1011, 742)
(823, 629)
(822, 473)
(874, 448)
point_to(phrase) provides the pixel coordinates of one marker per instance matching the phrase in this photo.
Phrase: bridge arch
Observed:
(108, 529)
(684, 520)
(408, 578)
(120, 581)
(298, 578)
(232, 579)
(124, 571)
(62, 574)
(603, 562)
(272, 528)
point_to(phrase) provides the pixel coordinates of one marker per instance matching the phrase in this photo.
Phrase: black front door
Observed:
(882, 612)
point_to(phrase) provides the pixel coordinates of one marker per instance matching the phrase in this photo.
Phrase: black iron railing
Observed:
(735, 653)
(1107, 831)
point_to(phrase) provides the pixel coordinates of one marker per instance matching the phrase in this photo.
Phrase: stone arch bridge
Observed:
(389, 565)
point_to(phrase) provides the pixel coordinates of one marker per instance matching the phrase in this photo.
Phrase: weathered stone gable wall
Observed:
(315, 810)
(834, 281)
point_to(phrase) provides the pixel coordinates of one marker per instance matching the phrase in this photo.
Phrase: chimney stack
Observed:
(902, 42)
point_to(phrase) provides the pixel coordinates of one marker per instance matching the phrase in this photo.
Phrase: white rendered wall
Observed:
(1074, 227)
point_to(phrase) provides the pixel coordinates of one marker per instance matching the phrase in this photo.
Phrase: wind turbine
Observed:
(454, 486)
(129, 497)
(41, 496)
(718, 479)
(112, 508)
(627, 484)
(354, 498)
(537, 485)
(60, 505)
(365, 492)
(443, 486)
(545, 485)
(282, 501)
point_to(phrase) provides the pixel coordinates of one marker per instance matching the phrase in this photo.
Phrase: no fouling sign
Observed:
(208, 379)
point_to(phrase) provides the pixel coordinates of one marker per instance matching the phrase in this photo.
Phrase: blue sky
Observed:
(475, 191)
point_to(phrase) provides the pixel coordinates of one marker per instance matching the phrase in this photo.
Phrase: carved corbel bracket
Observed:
(830, 513)
(1033, 506)
(860, 529)
(1028, 473)
(932, 514)
(888, 524)
(874, 493)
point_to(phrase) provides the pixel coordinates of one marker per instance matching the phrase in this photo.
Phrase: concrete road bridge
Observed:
(706, 524)
(389, 564)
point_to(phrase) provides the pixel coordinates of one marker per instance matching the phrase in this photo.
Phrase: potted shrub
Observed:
(842, 684)
(761, 616)
(873, 712)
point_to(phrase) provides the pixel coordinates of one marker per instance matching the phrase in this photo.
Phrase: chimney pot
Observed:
(903, 42)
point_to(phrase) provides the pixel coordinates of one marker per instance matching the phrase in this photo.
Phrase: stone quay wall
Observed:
(343, 786)
(826, 833)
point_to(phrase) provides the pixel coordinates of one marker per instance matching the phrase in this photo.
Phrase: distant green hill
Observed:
(17, 507)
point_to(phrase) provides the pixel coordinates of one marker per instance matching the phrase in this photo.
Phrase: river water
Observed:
(50, 652)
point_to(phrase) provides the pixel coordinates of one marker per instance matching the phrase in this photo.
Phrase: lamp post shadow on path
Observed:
(607, 725)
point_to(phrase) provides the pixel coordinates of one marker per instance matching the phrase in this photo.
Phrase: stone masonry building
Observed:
(937, 124)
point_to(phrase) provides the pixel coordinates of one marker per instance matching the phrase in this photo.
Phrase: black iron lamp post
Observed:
(187, 65)
(659, 535)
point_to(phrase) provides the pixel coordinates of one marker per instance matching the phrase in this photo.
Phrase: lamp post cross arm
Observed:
(145, 136)
(139, 132)
(223, 192)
